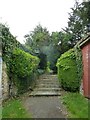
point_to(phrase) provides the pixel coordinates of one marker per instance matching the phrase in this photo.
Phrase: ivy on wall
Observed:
(21, 66)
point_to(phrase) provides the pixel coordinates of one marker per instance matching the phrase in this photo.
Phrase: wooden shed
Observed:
(85, 48)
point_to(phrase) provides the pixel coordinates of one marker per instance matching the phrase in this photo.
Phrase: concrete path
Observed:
(44, 101)
(45, 107)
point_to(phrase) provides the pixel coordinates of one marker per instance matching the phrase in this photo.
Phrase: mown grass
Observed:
(14, 109)
(76, 104)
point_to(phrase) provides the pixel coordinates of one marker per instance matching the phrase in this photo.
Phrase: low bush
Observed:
(23, 69)
(68, 71)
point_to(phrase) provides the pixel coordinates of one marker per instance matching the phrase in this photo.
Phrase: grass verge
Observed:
(13, 108)
(76, 104)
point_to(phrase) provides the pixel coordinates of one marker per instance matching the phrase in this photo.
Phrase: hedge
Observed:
(21, 66)
(68, 73)
(23, 69)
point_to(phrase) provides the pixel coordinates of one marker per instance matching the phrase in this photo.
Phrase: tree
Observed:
(37, 38)
(79, 18)
(61, 40)
(35, 41)
(49, 46)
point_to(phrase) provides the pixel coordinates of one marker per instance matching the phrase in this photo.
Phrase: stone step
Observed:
(47, 93)
(47, 85)
(47, 81)
(48, 78)
(47, 89)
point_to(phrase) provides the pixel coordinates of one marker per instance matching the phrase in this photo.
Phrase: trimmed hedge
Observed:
(23, 69)
(68, 71)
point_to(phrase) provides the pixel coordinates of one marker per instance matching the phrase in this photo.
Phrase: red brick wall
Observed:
(86, 69)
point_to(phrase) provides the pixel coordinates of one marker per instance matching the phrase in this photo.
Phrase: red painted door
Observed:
(86, 69)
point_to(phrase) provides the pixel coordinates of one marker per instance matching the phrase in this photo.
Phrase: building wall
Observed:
(89, 69)
(86, 69)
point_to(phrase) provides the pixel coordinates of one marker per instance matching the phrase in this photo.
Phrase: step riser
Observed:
(49, 94)
(42, 95)
(47, 82)
(47, 89)
(47, 85)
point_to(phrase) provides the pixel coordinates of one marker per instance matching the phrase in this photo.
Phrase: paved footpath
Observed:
(45, 107)
(44, 101)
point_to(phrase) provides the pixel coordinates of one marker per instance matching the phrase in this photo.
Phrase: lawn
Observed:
(76, 104)
(13, 108)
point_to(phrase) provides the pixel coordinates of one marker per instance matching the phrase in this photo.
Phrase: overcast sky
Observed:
(22, 16)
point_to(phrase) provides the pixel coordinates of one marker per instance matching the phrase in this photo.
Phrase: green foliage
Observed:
(61, 41)
(48, 67)
(37, 38)
(9, 42)
(78, 55)
(79, 18)
(76, 104)
(23, 69)
(14, 109)
(41, 42)
(52, 55)
(21, 66)
(68, 71)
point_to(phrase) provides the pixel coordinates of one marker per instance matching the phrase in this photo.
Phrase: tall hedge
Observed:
(23, 69)
(68, 73)
(21, 66)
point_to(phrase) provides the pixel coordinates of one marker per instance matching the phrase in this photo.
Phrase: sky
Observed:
(22, 16)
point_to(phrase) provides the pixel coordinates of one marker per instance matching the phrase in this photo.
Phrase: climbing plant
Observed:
(21, 66)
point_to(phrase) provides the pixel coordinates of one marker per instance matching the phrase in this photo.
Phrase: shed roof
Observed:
(84, 40)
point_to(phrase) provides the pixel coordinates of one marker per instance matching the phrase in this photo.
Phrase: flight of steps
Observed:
(47, 85)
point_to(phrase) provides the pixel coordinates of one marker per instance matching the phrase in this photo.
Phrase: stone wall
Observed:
(5, 82)
(0, 85)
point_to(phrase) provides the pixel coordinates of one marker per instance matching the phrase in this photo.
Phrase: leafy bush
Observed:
(23, 69)
(21, 66)
(68, 71)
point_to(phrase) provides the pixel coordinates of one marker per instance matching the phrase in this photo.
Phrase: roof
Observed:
(84, 40)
